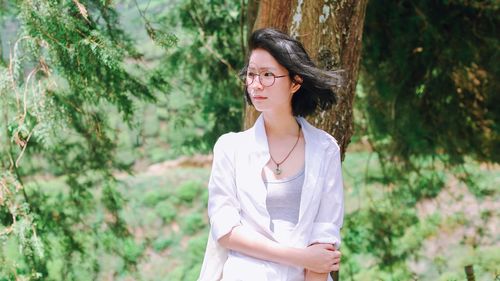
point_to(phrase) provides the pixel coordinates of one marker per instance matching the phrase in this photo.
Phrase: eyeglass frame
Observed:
(260, 81)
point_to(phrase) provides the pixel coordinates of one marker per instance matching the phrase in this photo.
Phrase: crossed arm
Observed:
(317, 259)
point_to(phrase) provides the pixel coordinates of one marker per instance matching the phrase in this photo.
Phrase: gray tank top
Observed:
(283, 202)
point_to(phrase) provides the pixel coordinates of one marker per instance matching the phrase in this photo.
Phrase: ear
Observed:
(296, 83)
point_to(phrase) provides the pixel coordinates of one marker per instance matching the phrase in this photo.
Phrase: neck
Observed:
(280, 125)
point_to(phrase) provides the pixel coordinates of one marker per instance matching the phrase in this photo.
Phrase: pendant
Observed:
(277, 171)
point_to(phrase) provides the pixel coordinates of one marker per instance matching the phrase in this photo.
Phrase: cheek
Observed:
(283, 90)
(282, 97)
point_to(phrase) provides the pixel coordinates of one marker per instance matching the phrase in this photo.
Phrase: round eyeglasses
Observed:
(266, 79)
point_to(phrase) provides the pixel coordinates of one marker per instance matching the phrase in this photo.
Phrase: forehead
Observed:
(262, 59)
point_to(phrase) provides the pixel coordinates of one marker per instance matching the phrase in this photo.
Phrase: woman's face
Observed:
(277, 97)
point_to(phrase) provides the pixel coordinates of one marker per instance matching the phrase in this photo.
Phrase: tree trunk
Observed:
(331, 32)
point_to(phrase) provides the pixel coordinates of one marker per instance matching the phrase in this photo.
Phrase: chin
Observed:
(259, 108)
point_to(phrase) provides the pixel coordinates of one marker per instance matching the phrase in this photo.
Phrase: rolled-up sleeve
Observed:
(223, 205)
(329, 219)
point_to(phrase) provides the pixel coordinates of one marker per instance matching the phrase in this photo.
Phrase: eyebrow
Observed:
(262, 68)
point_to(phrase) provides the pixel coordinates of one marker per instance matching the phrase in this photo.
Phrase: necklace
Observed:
(278, 171)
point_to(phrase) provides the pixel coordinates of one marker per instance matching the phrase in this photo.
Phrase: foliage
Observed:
(429, 78)
(375, 235)
(65, 73)
(152, 198)
(206, 99)
(161, 244)
(191, 266)
(166, 210)
(178, 244)
(427, 103)
(189, 191)
(192, 223)
(385, 232)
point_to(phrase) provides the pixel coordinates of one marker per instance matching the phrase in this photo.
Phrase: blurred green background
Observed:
(110, 109)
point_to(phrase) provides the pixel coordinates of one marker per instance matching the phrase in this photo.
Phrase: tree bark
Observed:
(331, 32)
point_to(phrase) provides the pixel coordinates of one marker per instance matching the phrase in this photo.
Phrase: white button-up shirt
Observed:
(237, 196)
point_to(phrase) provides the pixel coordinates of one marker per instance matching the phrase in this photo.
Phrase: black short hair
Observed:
(317, 85)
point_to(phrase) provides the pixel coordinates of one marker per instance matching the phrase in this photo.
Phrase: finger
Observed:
(337, 253)
(329, 247)
(335, 267)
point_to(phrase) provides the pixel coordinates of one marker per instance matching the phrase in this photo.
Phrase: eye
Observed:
(268, 74)
(251, 74)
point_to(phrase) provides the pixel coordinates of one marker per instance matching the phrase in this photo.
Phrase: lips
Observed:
(259, 98)
(256, 97)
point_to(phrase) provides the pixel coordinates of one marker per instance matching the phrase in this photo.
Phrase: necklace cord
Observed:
(290, 152)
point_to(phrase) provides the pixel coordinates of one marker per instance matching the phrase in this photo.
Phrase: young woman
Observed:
(275, 191)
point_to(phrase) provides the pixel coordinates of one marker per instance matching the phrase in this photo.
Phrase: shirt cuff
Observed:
(224, 221)
(327, 233)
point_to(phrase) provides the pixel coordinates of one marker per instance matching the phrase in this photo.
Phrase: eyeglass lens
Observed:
(265, 78)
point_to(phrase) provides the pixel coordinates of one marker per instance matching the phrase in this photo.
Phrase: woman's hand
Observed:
(321, 258)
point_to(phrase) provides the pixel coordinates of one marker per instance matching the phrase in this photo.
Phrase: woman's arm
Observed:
(328, 221)
(330, 215)
(318, 258)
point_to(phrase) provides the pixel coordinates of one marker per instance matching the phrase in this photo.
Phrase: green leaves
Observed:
(207, 97)
(72, 65)
(428, 105)
(165, 40)
(429, 78)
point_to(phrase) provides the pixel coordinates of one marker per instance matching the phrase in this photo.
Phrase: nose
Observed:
(256, 83)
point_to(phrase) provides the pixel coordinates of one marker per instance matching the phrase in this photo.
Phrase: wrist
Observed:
(296, 256)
